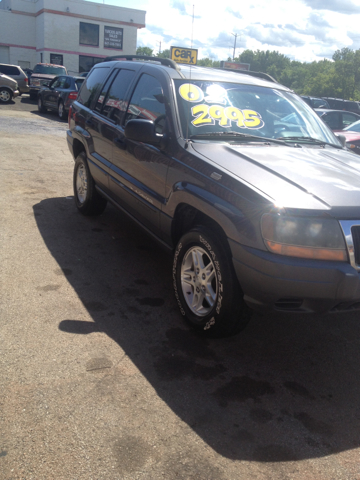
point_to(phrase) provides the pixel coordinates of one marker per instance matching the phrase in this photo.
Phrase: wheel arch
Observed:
(78, 147)
(187, 217)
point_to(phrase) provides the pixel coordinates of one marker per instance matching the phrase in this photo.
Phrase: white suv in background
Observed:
(17, 73)
(8, 89)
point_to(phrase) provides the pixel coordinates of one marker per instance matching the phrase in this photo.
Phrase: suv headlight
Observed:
(306, 237)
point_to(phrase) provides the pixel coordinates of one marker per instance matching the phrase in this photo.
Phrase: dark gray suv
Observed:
(257, 199)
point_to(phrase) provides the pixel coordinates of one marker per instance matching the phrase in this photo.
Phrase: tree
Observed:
(164, 54)
(144, 51)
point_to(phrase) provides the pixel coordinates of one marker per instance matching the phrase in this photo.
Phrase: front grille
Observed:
(355, 231)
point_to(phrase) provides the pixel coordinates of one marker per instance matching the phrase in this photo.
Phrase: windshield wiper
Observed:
(316, 141)
(233, 135)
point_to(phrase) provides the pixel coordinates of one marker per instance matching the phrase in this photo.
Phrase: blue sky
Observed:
(304, 30)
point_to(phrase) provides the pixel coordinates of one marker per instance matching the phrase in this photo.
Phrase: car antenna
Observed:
(188, 119)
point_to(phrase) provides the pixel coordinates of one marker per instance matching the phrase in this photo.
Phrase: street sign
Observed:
(184, 55)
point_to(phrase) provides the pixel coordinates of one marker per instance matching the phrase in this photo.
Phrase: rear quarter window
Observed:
(91, 85)
(9, 70)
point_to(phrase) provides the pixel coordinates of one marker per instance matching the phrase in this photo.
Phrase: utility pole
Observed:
(235, 35)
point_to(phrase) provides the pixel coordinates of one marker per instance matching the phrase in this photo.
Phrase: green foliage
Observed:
(164, 54)
(144, 51)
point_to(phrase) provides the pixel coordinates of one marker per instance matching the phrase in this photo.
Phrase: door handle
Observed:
(120, 142)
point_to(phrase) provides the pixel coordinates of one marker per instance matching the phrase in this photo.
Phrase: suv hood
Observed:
(306, 178)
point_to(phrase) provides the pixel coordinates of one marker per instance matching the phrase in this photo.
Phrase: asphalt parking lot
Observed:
(101, 379)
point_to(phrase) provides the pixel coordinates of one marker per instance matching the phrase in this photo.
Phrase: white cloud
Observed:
(304, 30)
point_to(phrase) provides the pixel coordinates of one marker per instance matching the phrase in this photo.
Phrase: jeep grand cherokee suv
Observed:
(255, 196)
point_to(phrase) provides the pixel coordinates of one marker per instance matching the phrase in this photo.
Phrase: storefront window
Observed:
(89, 34)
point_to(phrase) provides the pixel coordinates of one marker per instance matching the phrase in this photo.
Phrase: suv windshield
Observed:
(49, 70)
(207, 107)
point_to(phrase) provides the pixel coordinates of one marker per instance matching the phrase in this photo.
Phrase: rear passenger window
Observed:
(115, 105)
(9, 70)
(147, 101)
(91, 85)
(105, 88)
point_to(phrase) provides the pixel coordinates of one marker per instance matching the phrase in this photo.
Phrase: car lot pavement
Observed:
(101, 379)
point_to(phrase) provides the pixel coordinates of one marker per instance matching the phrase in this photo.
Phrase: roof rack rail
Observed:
(264, 76)
(164, 61)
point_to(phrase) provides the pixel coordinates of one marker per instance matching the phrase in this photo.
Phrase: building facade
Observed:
(73, 33)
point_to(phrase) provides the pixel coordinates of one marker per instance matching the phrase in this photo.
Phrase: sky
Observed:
(303, 30)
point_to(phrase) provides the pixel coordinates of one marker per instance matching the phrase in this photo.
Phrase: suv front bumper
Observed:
(294, 284)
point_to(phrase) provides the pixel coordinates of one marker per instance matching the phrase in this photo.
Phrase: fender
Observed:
(235, 224)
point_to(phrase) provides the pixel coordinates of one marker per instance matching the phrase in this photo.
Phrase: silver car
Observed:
(8, 89)
(18, 74)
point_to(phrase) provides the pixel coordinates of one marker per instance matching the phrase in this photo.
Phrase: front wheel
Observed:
(206, 288)
(5, 95)
(88, 201)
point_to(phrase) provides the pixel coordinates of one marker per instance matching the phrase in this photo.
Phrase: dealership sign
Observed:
(184, 55)
(113, 37)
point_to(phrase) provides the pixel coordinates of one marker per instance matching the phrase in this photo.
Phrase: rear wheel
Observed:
(41, 107)
(206, 288)
(61, 110)
(88, 201)
(5, 95)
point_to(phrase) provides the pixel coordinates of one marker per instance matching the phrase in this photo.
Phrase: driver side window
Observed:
(147, 101)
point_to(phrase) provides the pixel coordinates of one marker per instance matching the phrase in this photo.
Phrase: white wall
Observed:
(32, 33)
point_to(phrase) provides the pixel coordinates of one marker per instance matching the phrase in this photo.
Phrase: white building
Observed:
(74, 33)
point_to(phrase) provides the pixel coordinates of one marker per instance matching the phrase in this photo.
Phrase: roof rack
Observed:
(264, 76)
(164, 61)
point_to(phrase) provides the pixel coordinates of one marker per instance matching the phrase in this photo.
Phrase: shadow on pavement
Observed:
(287, 388)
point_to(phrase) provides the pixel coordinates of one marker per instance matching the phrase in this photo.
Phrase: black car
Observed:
(315, 102)
(256, 198)
(59, 94)
(340, 104)
(337, 119)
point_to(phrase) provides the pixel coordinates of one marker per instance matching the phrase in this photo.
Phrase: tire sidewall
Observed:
(81, 160)
(7, 91)
(61, 116)
(214, 320)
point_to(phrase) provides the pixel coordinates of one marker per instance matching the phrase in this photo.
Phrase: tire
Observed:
(41, 107)
(87, 200)
(5, 95)
(61, 110)
(33, 96)
(206, 288)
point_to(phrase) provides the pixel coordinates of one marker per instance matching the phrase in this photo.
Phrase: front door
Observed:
(138, 173)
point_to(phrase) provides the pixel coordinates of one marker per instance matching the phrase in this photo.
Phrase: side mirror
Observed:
(142, 131)
(342, 139)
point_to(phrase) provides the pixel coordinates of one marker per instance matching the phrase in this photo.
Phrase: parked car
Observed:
(352, 135)
(43, 73)
(340, 104)
(337, 119)
(315, 102)
(259, 211)
(17, 74)
(8, 88)
(59, 94)
(83, 74)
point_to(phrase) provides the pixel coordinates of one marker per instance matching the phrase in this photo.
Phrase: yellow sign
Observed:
(184, 55)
